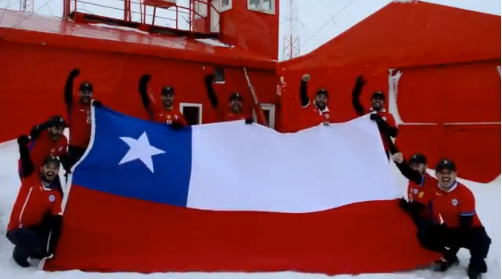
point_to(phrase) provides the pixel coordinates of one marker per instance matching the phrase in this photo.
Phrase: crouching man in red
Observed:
(35, 222)
(457, 224)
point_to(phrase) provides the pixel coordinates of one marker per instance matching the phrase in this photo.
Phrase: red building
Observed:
(441, 67)
(37, 53)
(449, 87)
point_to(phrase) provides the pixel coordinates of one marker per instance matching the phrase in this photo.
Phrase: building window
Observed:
(268, 112)
(264, 6)
(200, 7)
(219, 75)
(225, 5)
(192, 113)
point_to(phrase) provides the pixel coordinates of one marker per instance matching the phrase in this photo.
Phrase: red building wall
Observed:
(33, 80)
(459, 103)
(256, 32)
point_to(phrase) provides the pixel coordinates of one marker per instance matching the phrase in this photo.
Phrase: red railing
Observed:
(160, 13)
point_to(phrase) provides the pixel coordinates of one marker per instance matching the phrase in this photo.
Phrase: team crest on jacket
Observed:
(454, 202)
(60, 148)
(415, 191)
(52, 198)
(326, 115)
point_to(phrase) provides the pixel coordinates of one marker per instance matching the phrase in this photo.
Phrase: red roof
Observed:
(51, 31)
(410, 34)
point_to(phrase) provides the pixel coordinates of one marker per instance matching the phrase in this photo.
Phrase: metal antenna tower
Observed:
(291, 48)
(27, 6)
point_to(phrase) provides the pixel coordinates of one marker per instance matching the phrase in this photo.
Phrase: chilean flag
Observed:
(234, 197)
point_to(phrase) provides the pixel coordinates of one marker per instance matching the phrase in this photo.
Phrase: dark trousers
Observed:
(74, 154)
(29, 242)
(448, 241)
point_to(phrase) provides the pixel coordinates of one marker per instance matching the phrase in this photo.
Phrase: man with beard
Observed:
(167, 112)
(79, 115)
(385, 120)
(48, 139)
(234, 103)
(456, 224)
(35, 222)
(318, 111)
(421, 188)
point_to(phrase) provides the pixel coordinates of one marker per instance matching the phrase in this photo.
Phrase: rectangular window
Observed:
(200, 7)
(192, 113)
(264, 6)
(219, 75)
(225, 5)
(268, 112)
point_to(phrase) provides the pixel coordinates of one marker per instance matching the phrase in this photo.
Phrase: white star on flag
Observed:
(140, 149)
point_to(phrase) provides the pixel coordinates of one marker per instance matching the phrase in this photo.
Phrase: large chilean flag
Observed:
(234, 197)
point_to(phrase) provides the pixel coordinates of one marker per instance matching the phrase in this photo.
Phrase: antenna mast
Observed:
(291, 48)
(27, 6)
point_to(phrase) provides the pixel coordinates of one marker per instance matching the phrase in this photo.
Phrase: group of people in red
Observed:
(36, 219)
(443, 209)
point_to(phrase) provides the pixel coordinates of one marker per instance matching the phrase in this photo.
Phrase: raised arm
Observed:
(405, 169)
(68, 89)
(208, 81)
(54, 121)
(143, 91)
(27, 167)
(304, 98)
(356, 93)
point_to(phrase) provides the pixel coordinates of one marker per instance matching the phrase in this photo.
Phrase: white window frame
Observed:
(224, 75)
(198, 9)
(197, 105)
(227, 7)
(271, 109)
(261, 9)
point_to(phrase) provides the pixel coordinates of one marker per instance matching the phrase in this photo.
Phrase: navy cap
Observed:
(445, 164)
(235, 96)
(378, 95)
(167, 90)
(86, 86)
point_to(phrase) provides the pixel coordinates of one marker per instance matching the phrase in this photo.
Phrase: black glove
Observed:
(35, 132)
(144, 80)
(23, 140)
(249, 121)
(375, 117)
(403, 204)
(209, 78)
(360, 82)
(75, 73)
(176, 126)
(97, 104)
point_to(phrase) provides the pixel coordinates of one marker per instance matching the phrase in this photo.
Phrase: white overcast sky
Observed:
(319, 20)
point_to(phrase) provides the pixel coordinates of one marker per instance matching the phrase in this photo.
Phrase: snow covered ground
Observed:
(488, 206)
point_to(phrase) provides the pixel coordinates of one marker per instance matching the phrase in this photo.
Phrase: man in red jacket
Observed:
(48, 139)
(79, 116)
(384, 119)
(234, 104)
(35, 222)
(421, 188)
(316, 111)
(165, 113)
(457, 224)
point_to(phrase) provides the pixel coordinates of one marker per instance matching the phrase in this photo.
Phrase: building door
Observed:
(192, 113)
